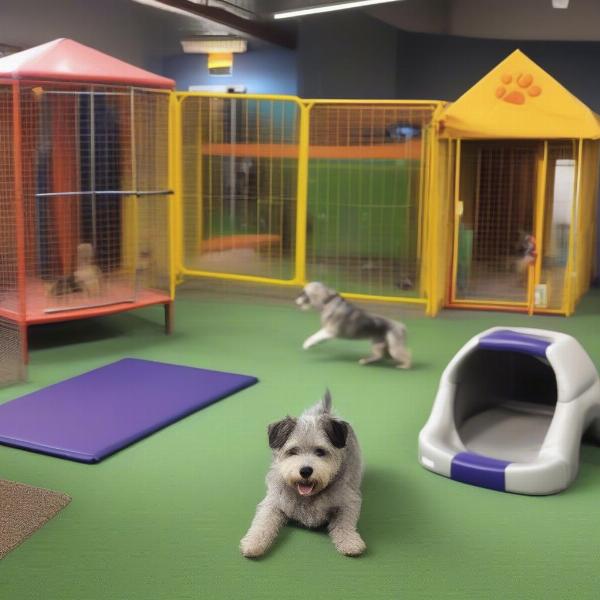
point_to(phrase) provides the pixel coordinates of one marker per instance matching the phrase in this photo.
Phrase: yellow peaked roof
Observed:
(518, 99)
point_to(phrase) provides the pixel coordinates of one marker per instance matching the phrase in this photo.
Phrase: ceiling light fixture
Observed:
(560, 3)
(209, 44)
(324, 8)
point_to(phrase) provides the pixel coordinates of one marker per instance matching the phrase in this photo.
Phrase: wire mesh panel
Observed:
(495, 237)
(150, 221)
(77, 156)
(367, 174)
(89, 154)
(12, 365)
(9, 292)
(239, 188)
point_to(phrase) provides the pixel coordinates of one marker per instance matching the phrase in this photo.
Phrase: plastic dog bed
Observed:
(95, 414)
(511, 410)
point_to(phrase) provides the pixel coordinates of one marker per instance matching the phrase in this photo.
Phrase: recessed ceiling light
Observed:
(313, 10)
(560, 3)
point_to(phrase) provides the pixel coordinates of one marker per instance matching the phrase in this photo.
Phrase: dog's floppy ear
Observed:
(337, 432)
(280, 431)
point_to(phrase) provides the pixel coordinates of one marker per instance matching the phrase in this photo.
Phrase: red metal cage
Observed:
(84, 186)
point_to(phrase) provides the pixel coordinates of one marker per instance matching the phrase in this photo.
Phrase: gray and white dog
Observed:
(314, 480)
(341, 319)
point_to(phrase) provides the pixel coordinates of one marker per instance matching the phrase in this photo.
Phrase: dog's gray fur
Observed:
(329, 495)
(341, 319)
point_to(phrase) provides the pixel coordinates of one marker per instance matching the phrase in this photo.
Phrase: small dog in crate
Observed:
(527, 254)
(341, 319)
(314, 480)
(85, 278)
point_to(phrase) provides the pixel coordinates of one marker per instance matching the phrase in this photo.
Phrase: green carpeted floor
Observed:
(163, 519)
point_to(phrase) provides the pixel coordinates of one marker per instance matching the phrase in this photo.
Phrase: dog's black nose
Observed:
(306, 472)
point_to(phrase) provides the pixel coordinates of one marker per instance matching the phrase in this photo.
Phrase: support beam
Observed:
(262, 31)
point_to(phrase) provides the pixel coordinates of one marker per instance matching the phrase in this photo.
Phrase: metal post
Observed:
(134, 185)
(302, 194)
(93, 170)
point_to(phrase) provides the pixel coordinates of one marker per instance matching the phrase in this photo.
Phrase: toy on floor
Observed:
(511, 410)
(88, 417)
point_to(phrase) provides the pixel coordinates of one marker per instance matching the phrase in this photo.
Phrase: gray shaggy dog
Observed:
(341, 319)
(314, 480)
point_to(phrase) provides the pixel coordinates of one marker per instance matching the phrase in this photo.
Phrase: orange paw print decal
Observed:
(515, 89)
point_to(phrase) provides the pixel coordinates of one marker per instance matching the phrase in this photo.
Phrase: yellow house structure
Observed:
(514, 195)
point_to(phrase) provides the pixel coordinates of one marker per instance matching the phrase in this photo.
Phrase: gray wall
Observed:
(346, 55)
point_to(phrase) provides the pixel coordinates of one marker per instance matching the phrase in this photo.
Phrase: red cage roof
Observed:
(66, 60)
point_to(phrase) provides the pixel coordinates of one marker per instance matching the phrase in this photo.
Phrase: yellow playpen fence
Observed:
(367, 197)
(275, 189)
(241, 186)
(370, 198)
(440, 223)
(568, 218)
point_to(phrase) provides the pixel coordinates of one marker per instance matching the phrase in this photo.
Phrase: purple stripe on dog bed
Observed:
(508, 340)
(482, 471)
(88, 417)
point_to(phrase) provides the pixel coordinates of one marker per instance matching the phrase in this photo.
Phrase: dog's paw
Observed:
(306, 345)
(351, 544)
(403, 366)
(251, 548)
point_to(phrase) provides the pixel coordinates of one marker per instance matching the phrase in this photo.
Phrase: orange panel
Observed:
(407, 150)
(229, 242)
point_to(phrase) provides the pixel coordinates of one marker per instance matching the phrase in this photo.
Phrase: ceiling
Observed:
(502, 19)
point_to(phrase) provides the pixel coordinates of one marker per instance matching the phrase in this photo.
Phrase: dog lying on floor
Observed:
(314, 479)
(341, 319)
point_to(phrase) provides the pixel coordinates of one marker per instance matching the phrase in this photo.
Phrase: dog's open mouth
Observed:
(305, 489)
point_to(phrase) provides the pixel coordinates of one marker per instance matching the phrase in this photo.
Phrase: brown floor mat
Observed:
(23, 510)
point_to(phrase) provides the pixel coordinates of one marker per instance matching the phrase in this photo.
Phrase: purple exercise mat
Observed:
(88, 417)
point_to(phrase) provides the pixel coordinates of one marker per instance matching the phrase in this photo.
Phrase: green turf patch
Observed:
(163, 518)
